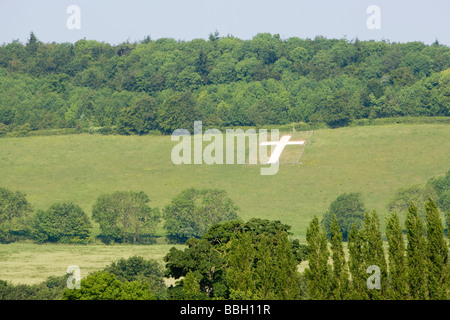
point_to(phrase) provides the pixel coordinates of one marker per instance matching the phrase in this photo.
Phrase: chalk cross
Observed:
(284, 141)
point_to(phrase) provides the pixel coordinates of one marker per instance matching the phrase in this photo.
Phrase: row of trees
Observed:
(122, 217)
(135, 88)
(438, 187)
(349, 208)
(256, 259)
(128, 216)
(415, 268)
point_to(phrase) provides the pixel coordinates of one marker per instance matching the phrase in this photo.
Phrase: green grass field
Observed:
(374, 160)
(29, 263)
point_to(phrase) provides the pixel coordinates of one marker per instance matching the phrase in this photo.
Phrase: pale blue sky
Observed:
(116, 21)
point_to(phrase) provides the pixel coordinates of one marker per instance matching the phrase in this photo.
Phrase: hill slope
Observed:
(373, 160)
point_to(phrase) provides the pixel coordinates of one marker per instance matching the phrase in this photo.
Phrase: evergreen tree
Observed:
(397, 260)
(318, 272)
(415, 254)
(340, 272)
(437, 254)
(32, 44)
(356, 265)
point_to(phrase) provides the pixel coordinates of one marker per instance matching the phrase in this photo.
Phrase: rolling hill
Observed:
(373, 160)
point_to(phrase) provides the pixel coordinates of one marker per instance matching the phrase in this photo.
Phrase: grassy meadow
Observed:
(374, 160)
(29, 263)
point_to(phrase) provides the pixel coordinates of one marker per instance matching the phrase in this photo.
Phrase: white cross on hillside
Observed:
(284, 141)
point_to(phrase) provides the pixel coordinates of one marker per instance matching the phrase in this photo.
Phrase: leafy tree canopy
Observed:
(125, 216)
(193, 211)
(349, 209)
(105, 286)
(222, 81)
(15, 211)
(62, 222)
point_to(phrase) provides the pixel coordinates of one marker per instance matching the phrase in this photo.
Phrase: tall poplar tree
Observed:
(340, 287)
(356, 265)
(437, 254)
(240, 260)
(262, 266)
(373, 253)
(415, 254)
(318, 272)
(398, 272)
(287, 277)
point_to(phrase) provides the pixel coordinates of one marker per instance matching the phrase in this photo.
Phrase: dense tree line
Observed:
(123, 217)
(415, 266)
(161, 85)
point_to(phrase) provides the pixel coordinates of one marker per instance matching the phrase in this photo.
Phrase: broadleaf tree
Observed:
(125, 216)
